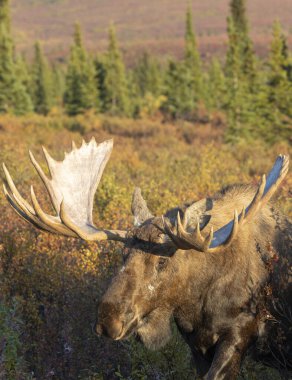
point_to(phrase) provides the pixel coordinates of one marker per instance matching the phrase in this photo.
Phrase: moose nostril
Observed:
(112, 329)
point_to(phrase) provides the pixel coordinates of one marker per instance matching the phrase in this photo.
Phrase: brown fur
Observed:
(219, 301)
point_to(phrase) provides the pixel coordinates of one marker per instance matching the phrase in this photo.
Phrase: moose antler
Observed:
(71, 189)
(223, 237)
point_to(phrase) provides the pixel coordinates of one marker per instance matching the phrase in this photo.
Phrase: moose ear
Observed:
(139, 208)
(198, 212)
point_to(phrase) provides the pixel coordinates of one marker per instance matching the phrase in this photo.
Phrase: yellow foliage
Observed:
(151, 105)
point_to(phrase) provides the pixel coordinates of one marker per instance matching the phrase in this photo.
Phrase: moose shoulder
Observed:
(220, 266)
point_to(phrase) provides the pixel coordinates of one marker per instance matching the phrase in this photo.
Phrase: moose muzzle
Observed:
(112, 322)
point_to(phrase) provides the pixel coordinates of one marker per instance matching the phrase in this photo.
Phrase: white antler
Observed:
(71, 188)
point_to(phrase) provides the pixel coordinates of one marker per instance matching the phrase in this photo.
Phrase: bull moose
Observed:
(219, 267)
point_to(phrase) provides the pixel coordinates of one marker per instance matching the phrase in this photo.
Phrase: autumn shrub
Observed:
(50, 285)
(130, 128)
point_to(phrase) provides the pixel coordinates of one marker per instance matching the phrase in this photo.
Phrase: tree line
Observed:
(254, 94)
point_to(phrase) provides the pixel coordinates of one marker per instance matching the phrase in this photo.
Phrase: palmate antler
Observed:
(223, 237)
(71, 188)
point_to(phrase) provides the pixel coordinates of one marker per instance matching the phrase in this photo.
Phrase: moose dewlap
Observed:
(207, 265)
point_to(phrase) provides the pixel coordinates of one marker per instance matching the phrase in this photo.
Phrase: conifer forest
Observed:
(183, 128)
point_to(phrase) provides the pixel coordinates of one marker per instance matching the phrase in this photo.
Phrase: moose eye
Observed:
(162, 262)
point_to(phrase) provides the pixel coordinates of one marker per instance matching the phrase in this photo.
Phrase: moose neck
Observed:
(204, 274)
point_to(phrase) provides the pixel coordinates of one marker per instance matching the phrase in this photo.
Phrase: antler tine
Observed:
(269, 191)
(198, 234)
(24, 215)
(268, 186)
(208, 240)
(49, 220)
(44, 178)
(38, 169)
(185, 221)
(33, 215)
(234, 229)
(168, 230)
(21, 206)
(182, 225)
(195, 239)
(256, 202)
(14, 190)
(49, 160)
(179, 226)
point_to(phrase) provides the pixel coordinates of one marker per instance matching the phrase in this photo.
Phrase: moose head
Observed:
(170, 261)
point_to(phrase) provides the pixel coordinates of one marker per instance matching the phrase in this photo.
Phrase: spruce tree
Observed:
(100, 75)
(58, 84)
(239, 96)
(148, 75)
(7, 75)
(238, 14)
(192, 56)
(5, 14)
(24, 81)
(117, 100)
(179, 101)
(81, 91)
(279, 86)
(192, 60)
(42, 83)
(233, 56)
(23, 72)
(146, 86)
(183, 83)
(278, 52)
(13, 95)
(245, 45)
(217, 89)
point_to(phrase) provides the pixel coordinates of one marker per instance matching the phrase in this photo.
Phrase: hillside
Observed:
(153, 25)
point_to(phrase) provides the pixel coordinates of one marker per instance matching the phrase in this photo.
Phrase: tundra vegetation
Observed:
(197, 135)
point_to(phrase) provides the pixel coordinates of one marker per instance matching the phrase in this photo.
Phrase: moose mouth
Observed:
(133, 327)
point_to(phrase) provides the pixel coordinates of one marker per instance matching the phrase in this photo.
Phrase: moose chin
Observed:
(207, 265)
